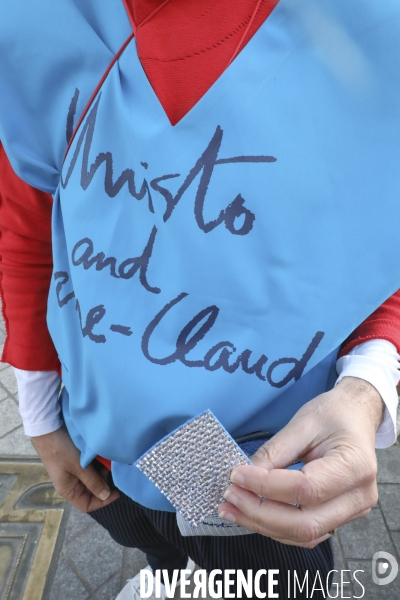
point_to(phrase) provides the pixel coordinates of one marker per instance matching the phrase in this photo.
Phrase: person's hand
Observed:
(334, 434)
(87, 489)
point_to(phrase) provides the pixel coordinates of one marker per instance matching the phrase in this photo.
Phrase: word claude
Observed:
(223, 355)
(232, 583)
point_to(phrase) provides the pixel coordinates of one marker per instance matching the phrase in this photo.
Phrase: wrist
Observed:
(365, 396)
(47, 442)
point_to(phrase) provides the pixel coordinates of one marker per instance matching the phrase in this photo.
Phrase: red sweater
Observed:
(184, 46)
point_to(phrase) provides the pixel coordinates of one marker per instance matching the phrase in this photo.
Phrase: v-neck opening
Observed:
(232, 66)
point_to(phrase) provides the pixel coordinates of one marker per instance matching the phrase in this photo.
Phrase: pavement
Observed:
(50, 551)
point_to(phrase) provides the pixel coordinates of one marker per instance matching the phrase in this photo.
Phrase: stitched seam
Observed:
(376, 321)
(369, 337)
(199, 52)
(278, 66)
(199, 17)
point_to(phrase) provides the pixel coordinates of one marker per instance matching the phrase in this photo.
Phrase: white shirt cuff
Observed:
(377, 362)
(39, 404)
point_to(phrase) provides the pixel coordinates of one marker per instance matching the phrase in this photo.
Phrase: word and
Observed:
(83, 254)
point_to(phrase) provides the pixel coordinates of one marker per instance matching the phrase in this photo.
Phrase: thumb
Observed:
(94, 482)
(289, 444)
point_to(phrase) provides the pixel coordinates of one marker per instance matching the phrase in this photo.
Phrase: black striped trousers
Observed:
(157, 535)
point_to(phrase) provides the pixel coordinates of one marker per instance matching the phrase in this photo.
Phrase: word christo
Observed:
(232, 583)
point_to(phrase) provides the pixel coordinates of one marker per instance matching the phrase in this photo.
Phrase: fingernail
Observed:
(237, 478)
(227, 517)
(104, 494)
(230, 496)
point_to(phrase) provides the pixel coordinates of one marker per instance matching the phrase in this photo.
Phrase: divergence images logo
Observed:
(384, 568)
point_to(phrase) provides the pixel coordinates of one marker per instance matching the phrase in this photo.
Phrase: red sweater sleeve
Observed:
(25, 270)
(383, 324)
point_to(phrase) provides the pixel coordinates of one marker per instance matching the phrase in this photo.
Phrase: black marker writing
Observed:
(83, 254)
(237, 218)
(123, 329)
(63, 278)
(111, 188)
(206, 165)
(218, 356)
(94, 316)
(71, 115)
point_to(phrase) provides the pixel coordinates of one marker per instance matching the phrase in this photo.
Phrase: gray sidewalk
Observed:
(50, 551)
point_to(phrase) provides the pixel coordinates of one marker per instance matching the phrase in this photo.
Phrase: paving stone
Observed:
(110, 589)
(77, 523)
(133, 561)
(95, 555)
(363, 537)
(8, 380)
(372, 590)
(395, 535)
(337, 554)
(389, 465)
(66, 584)
(3, 393)
(9, 416)
(16, 444)
(389, 500)
(338, 562)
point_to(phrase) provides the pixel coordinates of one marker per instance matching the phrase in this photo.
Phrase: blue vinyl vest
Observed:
(219, 263)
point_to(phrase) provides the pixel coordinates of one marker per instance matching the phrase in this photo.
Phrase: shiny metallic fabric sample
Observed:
(212, 525)
(192, 466)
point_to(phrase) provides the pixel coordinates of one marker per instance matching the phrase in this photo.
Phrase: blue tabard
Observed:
(220, 263)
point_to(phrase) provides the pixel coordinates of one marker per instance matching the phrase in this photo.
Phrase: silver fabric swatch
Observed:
(192, 466)
(212, 525)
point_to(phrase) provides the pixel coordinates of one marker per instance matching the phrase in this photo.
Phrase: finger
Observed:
(94, 482)
(319, 481)
(95, 503)
(232, 514)
(301, 524)
(286, 446)
(80, 497)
